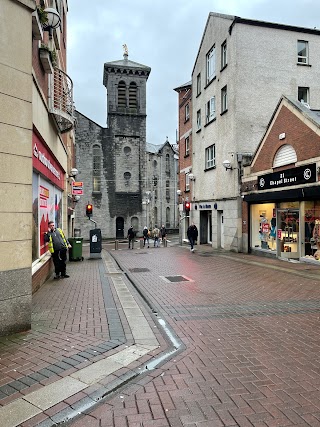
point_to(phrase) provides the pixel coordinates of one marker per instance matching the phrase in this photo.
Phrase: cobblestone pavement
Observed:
(233, 340)
(250, 328)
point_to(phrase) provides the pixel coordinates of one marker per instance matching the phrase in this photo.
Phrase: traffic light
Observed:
(89, 210)
(187, 207)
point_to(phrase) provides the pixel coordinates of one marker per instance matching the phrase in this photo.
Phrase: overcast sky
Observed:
(164, 35)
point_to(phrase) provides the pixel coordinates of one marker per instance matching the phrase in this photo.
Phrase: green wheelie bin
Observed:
(75, 252)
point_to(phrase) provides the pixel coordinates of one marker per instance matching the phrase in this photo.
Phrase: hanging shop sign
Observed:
(77, 188)
(296, 176)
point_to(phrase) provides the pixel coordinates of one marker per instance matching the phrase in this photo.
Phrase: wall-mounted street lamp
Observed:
(74, 172)
(191, 177)
(227, 165)
(53, 18)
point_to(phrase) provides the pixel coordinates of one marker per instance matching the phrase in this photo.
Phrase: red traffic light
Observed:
(89, 210)
(187, 207)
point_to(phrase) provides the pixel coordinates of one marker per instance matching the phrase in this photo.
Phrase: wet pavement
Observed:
(165, 337)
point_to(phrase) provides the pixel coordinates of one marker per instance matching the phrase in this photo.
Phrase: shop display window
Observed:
(47, 206)
(312, 229)
(263, 226)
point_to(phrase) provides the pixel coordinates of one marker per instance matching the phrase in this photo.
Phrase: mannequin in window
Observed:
(316, 233)
(264, 231)
(272, 234)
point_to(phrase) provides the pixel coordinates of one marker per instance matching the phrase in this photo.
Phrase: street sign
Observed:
(77, 188)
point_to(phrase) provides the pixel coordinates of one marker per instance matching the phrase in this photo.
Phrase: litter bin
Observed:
(75, 252)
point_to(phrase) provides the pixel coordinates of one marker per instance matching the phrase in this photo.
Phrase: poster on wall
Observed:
(50, 199)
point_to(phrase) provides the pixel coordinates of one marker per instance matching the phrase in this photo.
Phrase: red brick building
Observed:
(185, 152)
(280, 189)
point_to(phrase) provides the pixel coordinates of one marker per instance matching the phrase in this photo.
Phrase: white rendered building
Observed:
(242, 68)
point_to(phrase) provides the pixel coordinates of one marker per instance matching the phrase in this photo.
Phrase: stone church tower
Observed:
(111, 161)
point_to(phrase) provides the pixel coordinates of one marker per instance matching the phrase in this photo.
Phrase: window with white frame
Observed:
(303, 95)
(224, 54)
(187, 112)
(224, 99)
(198, 84)
(211, 109)
(187, 182)
(303, 54)
(198, 119)
(211, 64)
(187, 146)
(210, 157)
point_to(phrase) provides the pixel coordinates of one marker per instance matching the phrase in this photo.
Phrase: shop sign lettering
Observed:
(46, 162)
(295, 176)
(204, 206)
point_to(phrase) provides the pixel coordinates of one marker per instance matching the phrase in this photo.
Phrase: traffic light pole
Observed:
(93, 222)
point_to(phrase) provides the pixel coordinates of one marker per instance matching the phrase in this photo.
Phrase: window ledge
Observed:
(198, 94)
(186, 120)
(304, 65)
(224, 67)
(209, 83)
(96, 193)
(209, 169)
(212, 120)
(199, 130)
(187, 191)
(224, 112)
(186, 155)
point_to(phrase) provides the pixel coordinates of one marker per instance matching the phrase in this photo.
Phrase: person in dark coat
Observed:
(192, 234)
(131, 237)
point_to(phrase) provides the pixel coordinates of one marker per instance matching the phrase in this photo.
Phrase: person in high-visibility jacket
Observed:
(58, 246)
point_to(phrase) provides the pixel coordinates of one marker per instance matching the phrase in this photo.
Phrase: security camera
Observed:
(227, 164)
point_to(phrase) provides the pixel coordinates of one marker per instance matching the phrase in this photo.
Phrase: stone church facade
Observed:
(112, 161)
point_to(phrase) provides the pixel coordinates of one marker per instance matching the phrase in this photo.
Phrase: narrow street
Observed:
(250, 331)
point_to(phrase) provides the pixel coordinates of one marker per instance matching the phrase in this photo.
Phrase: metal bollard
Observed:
(141, 243)
(165, 243)
(116, 245)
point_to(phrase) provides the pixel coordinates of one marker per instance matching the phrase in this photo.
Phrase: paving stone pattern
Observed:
(251, 330)
(74, 322)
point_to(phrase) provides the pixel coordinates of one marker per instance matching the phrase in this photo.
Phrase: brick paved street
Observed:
(251, 332)
(240, 345)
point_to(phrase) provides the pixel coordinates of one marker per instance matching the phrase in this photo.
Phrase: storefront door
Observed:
(288, 233)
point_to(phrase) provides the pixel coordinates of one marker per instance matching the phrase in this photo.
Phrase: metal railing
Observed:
(61, 100)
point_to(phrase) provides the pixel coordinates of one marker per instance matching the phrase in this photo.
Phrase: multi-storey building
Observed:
(161, 189)
(36, 115)
(242, 68)
(185, 153)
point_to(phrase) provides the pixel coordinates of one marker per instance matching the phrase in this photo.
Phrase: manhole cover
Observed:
(176, 279)
(138, 270)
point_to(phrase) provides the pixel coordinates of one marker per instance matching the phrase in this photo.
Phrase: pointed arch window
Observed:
(96, 168)
(122, 95)
(133, 95)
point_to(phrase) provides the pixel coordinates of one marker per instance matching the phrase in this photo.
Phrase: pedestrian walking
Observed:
(58, 246)
(156, 235)
(192, 234)
(163, 234)
(131, 237)
(146, 234)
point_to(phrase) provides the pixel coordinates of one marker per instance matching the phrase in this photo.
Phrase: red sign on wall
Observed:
(77, 188)
(44, 162)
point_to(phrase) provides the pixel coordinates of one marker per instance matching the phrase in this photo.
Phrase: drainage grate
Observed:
(176, 279)
(138, 270)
